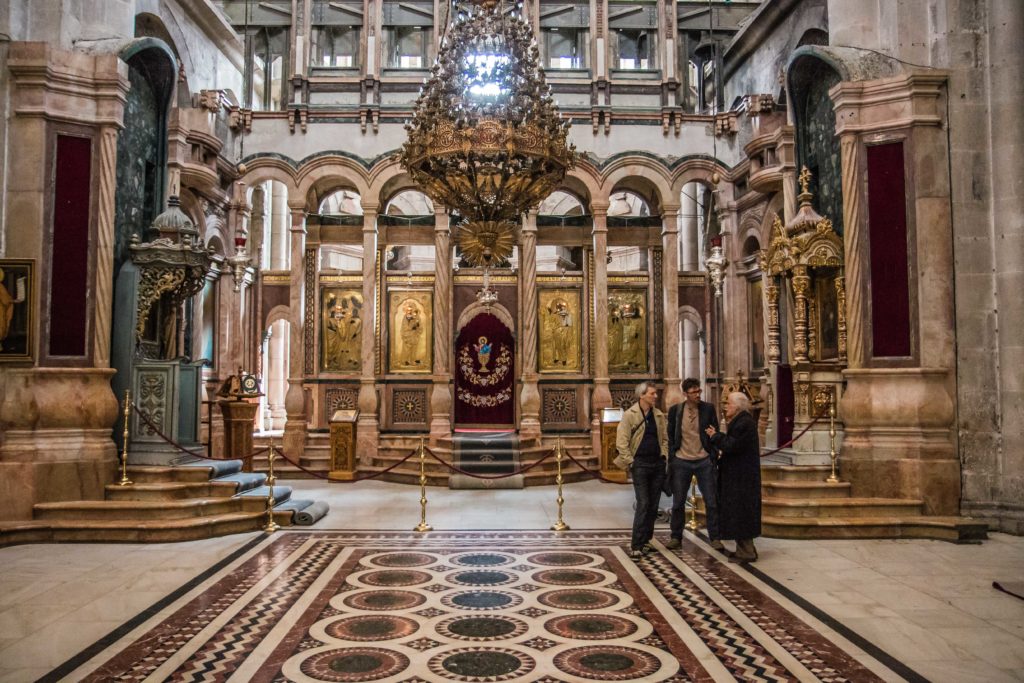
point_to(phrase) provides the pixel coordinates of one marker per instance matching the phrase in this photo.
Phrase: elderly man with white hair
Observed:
(739, 478)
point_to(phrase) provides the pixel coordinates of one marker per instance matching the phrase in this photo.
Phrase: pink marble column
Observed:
(441, 393)
(529, 399)
(295, 424)
(670, 279)
(367, 428)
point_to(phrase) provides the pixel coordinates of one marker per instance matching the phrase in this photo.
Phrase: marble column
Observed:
(295, 400)
(689, 237)
(278, 373)
(441, 393)
(279, 215)
(670, 269)
(104, 299)
(853, 266)
(602, 397)
(529, 424)
(367, 429)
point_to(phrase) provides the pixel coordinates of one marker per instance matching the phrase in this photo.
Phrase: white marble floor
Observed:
(928, 604)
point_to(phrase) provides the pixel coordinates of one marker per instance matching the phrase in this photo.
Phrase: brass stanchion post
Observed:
(692, 523)
(423, 526)
(125, 481)
(271, 526)
(832, 478)
(559, 525)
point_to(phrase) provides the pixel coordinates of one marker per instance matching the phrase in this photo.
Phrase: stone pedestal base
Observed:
(898, 441)
(238, 428)
(440, 412)
(57, 445)
(294, 440)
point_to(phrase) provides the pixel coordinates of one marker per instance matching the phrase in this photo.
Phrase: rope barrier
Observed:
(595, 473)
(795, 438)
(521, 470)
(156, 430)
(318, 475)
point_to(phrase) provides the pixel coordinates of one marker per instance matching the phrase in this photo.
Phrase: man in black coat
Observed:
(739, 478)
(691, 453)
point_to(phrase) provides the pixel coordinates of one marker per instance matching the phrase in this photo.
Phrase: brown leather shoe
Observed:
(674, 544)
(719, 546)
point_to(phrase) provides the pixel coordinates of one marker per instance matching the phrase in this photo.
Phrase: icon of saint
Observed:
(483, 353)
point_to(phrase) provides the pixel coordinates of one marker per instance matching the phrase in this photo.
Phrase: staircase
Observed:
(797, 502)
(163, 504)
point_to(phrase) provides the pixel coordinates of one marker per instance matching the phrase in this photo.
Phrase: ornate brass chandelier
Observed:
(486, 138)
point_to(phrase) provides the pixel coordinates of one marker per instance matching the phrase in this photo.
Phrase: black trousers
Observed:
(648, 478)
(682, 471)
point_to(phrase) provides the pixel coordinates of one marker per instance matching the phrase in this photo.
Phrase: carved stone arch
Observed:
(688, 312)
(324, 175)
(644, 176)
(475, 308)
(261, 169)
(699, 170)
(279, 312)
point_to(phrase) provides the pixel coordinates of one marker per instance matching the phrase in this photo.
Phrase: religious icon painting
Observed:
(411, 331)
(341, 330)
(558, 317)
(627, 331)
(17, 326)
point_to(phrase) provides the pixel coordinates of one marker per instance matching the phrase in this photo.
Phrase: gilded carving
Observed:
(627, 331)
(559, 338)
(410, 333)
(341, 331)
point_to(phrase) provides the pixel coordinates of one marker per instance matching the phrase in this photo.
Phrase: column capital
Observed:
(599, 208)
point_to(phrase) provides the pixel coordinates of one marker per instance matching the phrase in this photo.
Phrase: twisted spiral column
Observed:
(853, 265)
(529, 399)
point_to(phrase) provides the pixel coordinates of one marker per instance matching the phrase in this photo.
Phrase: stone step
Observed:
(805, 489)
(794, 472)
(135, 510)
(137, 531)
(840, 507)
(145, 474)
(171, 491)
(954, 529)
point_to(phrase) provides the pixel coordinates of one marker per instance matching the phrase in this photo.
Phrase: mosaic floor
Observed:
(475, 606)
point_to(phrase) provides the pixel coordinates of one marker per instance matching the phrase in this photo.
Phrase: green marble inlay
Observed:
(480, 664)
(606, 661)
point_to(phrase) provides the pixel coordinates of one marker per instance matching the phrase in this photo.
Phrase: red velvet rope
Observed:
(344, 481)
(594, 473)
(793, 440)
(522, 470)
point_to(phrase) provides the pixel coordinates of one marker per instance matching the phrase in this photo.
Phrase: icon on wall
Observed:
(16, 309)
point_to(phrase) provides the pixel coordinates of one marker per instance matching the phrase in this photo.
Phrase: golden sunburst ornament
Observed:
(485, 243)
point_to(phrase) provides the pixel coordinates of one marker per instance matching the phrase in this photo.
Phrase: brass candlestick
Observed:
(559, 525)
(125, 481)
(692, 523)
(832, 478)
(423, 526)
(271, 525)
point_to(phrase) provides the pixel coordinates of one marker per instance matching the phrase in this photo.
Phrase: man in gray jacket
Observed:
(642, 446)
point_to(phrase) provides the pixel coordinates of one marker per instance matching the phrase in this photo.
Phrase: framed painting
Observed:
(558, 317)
(627, 330)
(341, 330)
(17, 299)
(410, 331)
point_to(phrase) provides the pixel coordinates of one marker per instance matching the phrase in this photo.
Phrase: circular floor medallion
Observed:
(560, 559)
(481, 600)
(384, 600)
(354, 664)
(567, 577)
(372, 627)
(481, 664)
(395, 577)
(482, 559)
(482, 627)
(577, 599)
(590, 627)
(481, 577)
(403, 560)
(607, 663)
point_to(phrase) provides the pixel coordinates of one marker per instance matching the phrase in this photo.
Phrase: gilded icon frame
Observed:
(559, 331)
(410, 331)
(628, 320)
(17, 310)
(341, 340)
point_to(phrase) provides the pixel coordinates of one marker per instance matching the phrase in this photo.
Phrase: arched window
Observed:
(560, 209)
(627, 209)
